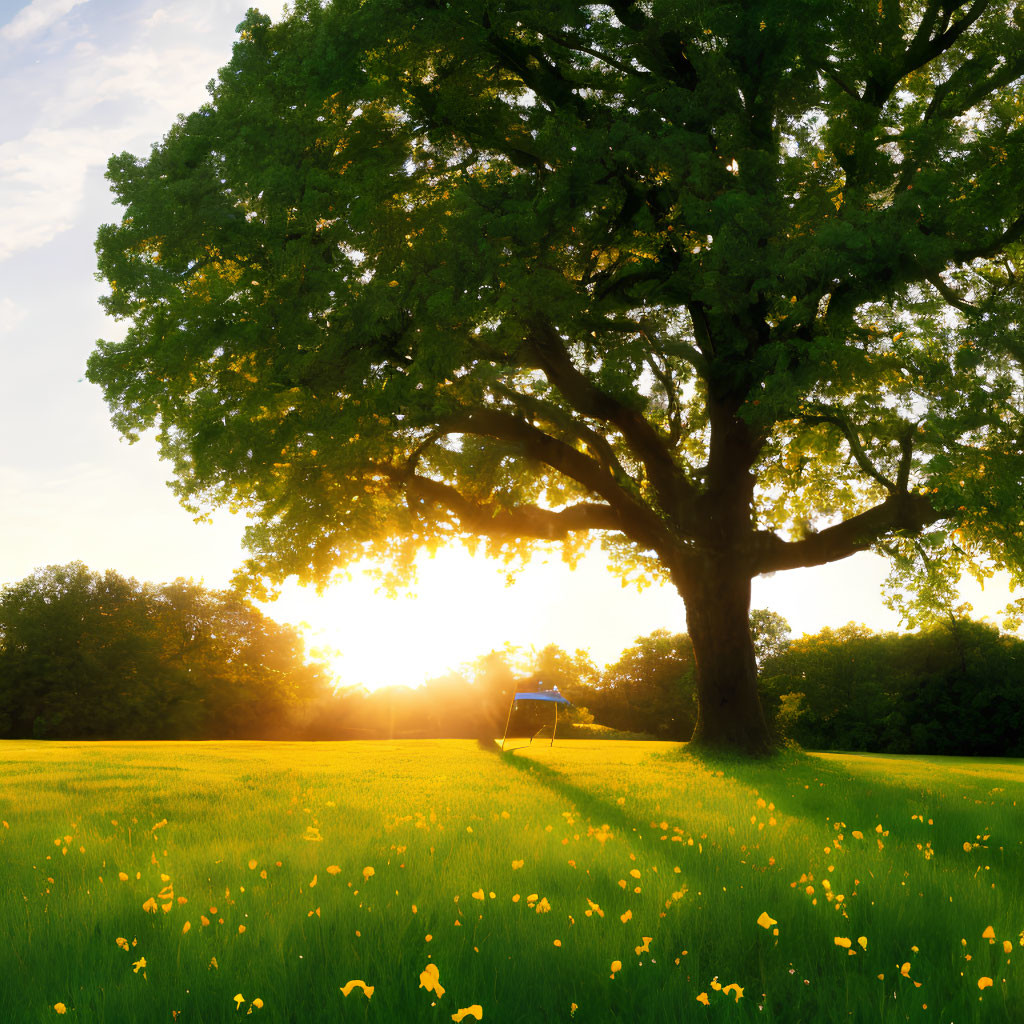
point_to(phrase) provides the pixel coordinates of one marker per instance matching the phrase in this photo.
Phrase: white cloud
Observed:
(11, 314)
(43, 174)
(42, 179)
(101, 102)
(39, 15)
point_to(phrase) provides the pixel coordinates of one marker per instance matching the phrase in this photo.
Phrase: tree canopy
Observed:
(734, 285)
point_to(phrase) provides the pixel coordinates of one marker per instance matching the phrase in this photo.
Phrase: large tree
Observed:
(733, 286)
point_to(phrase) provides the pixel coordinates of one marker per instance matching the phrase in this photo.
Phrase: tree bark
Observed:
(729, 712)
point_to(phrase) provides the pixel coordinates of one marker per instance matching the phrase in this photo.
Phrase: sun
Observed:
(461, 607)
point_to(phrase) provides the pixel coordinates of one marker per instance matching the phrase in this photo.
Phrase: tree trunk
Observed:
(729, 713)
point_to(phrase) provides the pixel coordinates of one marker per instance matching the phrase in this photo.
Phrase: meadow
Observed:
(434, 881)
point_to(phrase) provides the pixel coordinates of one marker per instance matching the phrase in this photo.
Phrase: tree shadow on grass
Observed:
(803, 785)
(591, 805)
(825, 791)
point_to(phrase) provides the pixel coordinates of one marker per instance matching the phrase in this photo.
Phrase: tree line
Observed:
(954, 687)
(88, 655)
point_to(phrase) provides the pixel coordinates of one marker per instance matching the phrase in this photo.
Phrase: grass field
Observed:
(590, 881)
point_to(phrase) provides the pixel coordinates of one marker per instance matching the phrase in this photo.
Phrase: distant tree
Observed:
(90, 655)
(736, 286)
(967, 695)
(453, 707)
(494, 682)
(651, 688)
(396, 712)
(575, 674)
(845, 676)
(951, 688)
(253, 671)
(78, 656)
(770, 634)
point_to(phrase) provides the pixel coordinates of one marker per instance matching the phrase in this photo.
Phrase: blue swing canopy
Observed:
(552, 696)
(543, 695)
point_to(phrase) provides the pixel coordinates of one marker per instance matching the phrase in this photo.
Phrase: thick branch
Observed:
(853, 440)
(950, 295)
(1013, 233)
(899, 512)
(644, 525)
(537, 71)
(623, 67)
(971, 82)
(536, 444)
(529, 522)
(906, 457)
(673, 489)
(924, 48)
(537, 409)
(674, 422)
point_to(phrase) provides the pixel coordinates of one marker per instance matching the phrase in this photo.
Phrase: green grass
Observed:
(714, 845)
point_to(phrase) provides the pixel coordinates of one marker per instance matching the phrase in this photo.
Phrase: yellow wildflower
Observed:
(429, 980)
(733, 988)
(348, 986)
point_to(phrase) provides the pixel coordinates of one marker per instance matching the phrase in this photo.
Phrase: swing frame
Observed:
(551, 695)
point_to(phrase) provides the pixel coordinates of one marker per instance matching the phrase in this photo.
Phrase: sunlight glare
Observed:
(461, 607)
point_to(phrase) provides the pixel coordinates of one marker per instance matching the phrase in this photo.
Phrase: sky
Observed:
(81, 80)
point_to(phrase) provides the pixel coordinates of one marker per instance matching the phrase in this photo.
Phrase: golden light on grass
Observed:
(429, 867)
